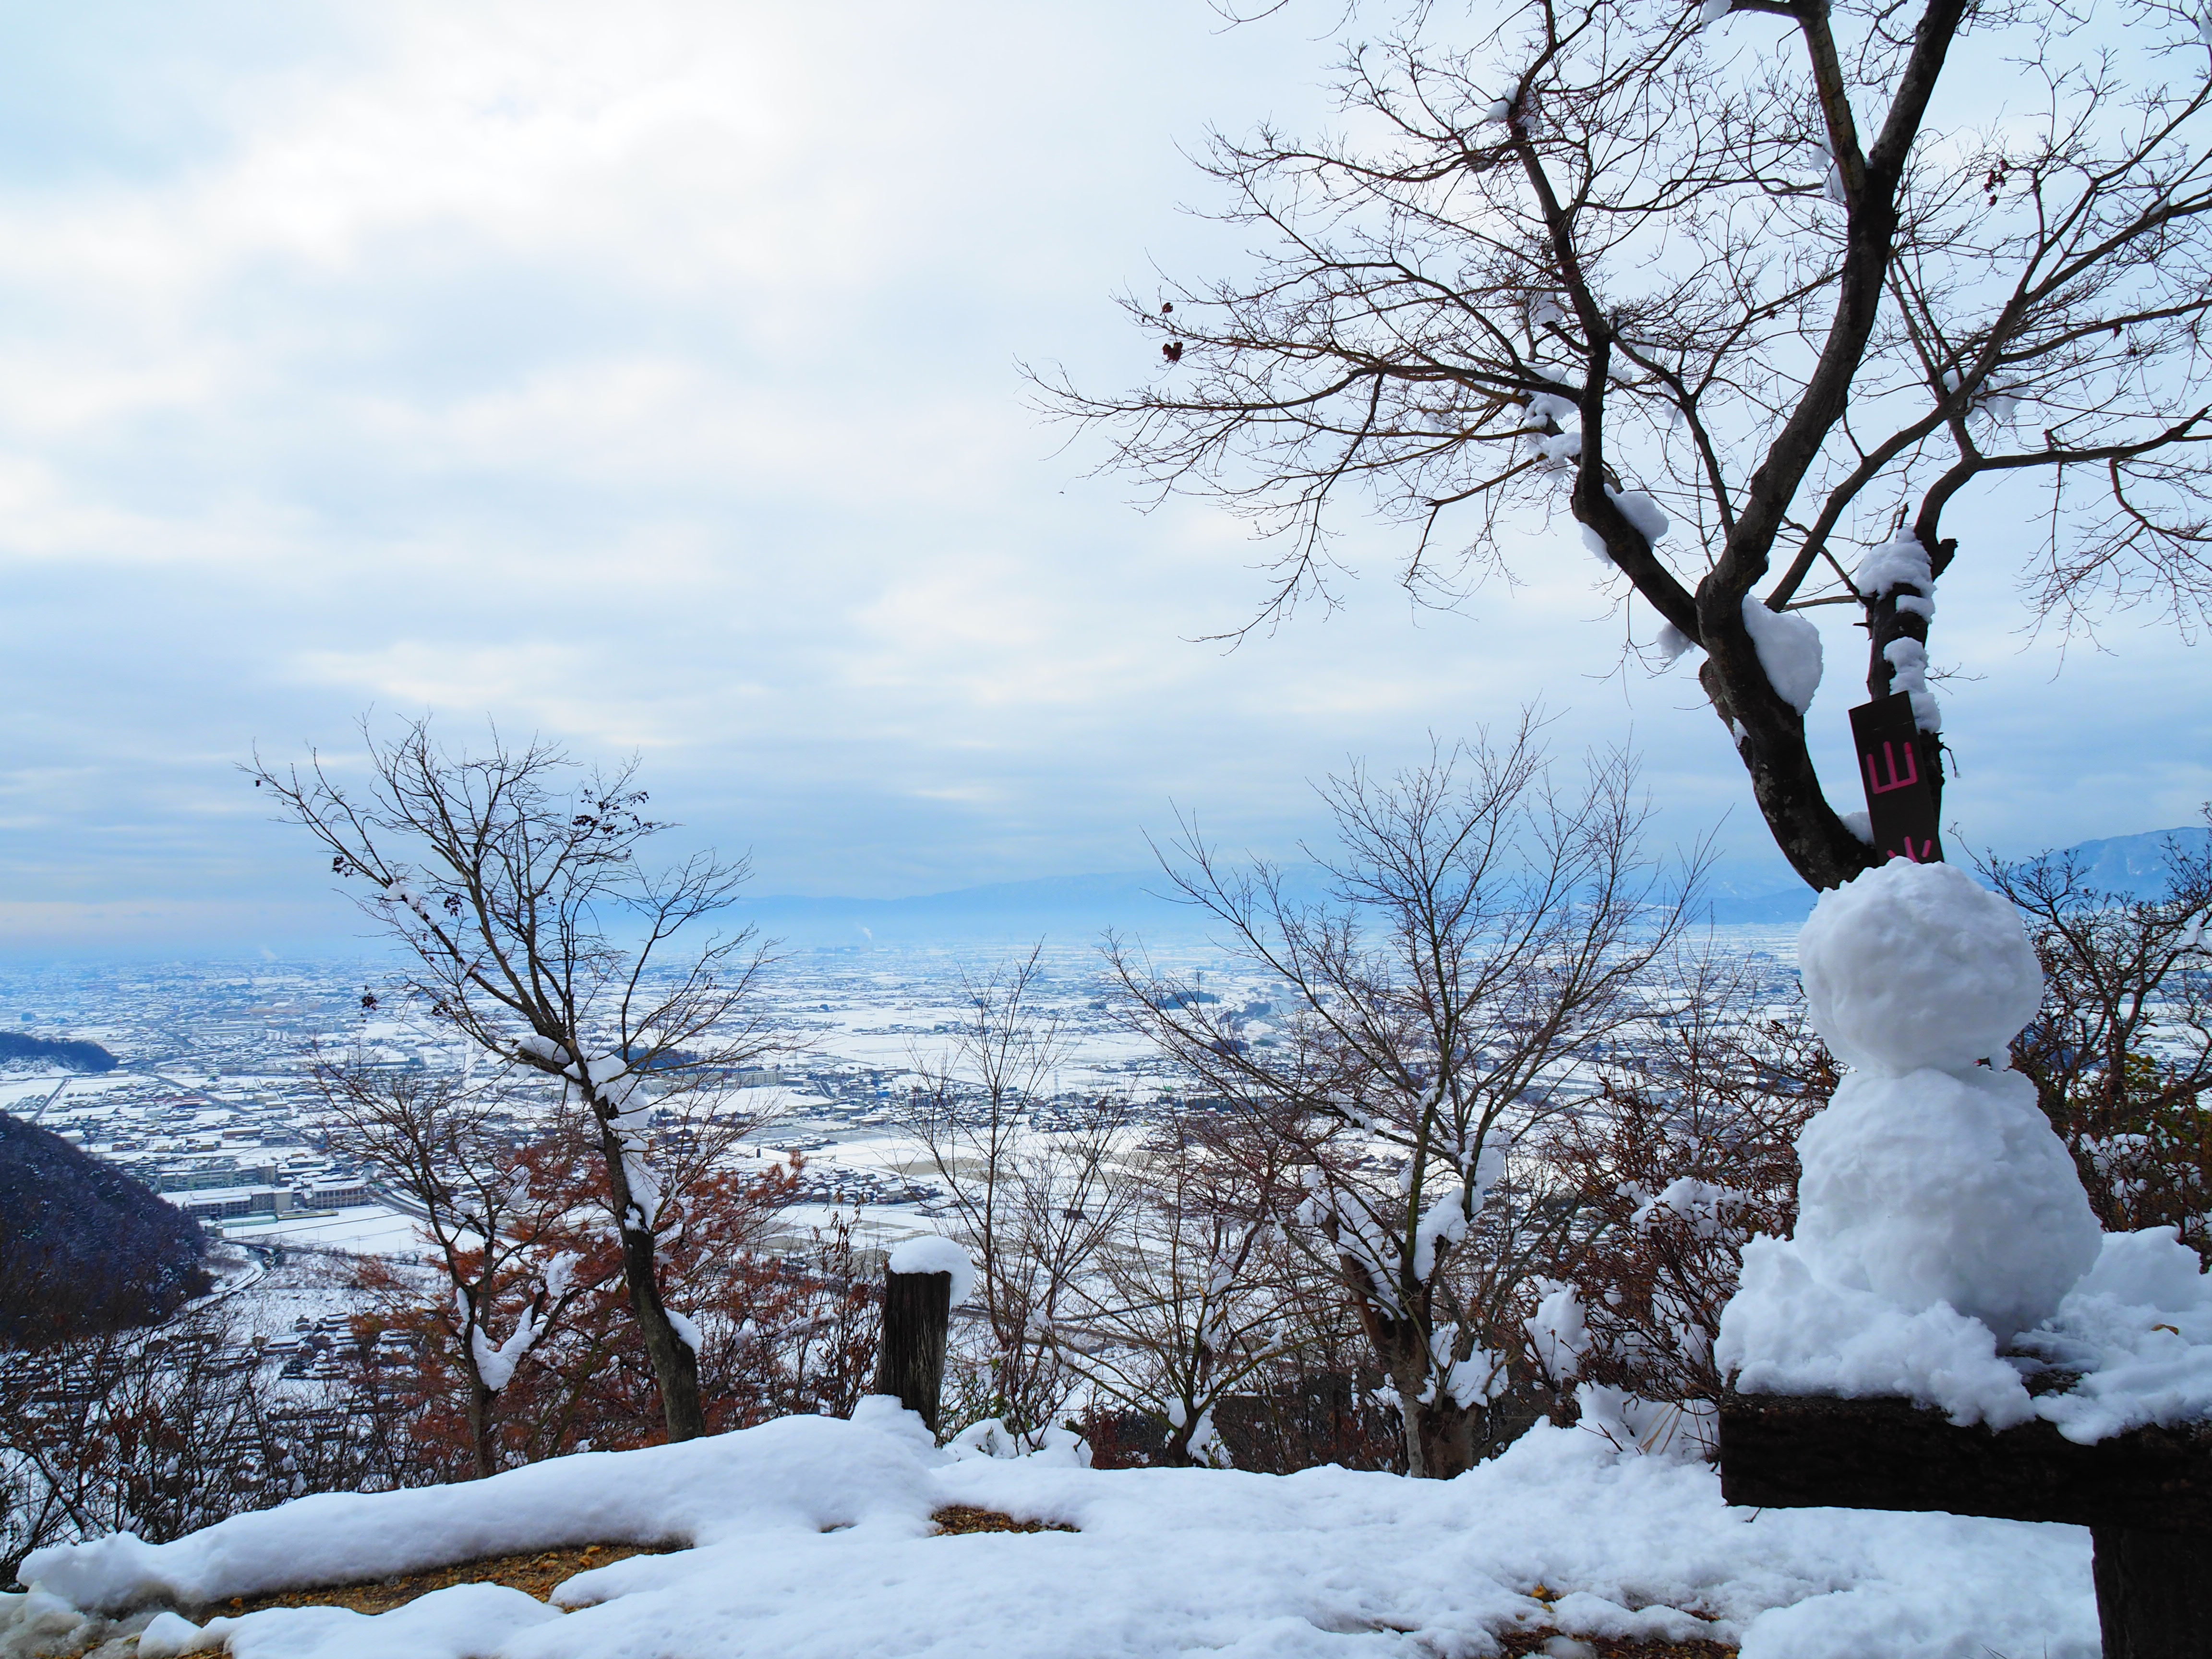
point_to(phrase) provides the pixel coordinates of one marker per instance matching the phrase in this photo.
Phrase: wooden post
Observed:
(917, 1313)
(2153, 1593)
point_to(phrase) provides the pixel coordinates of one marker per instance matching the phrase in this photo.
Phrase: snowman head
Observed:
(1914, 966)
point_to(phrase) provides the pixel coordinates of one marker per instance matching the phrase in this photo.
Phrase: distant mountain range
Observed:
(2136, 865)
(1075, 909)
(1068, 908)
(2133, 866)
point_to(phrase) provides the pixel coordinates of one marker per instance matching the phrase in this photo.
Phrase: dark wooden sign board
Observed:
(1896, 763)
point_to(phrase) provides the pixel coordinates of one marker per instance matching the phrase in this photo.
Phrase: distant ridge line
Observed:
(1132, 901)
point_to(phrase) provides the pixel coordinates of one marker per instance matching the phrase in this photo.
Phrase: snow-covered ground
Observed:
(809, 1536)
(362, 1229)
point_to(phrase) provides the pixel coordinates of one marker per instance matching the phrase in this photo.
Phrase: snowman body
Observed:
(1933, 1176)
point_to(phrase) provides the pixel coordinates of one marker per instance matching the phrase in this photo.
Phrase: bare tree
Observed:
(2121, 1051)
(1757, 283)
(1483, 933)
(446, 1147)
(515, 882)
(1685, 1149)
(1032, 1194)
(1191, 1297)
(158, 1433)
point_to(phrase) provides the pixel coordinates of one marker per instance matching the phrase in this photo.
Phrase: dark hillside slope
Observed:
(68, 1053)
(84, 1247)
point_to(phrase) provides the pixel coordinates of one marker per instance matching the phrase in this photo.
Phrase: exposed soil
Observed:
(1607, 1648)
(1532, 1642)
(961, 1517)
(539, 1572)
(536, 1572)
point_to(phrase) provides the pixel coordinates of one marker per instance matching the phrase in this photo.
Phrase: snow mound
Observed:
(2137, 1329)
(1228, 1565)
(927, 1253)
(1934, 1188)
(1914, 965)
(1930, 1177)
(798, 1471)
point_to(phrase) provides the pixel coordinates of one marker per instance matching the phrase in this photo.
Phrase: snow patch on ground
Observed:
(1167, 1561)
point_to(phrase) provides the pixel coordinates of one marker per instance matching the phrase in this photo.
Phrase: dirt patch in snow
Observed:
(1551, 1644)
(536, 1572)
(961, 1517)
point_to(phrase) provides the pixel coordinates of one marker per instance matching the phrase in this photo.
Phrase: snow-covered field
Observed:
(360, 1229)
(809, 1536)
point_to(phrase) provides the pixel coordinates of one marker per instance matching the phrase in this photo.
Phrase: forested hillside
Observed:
(71, 1054)
(82, 1246)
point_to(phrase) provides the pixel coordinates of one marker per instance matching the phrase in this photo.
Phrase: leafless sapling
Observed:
(1482, 932)
(533, 929)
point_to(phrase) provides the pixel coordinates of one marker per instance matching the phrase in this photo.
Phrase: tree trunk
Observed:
(1439, 1434)
(675, 1367)
(911, 1363)
(1770, 740)
(1439, 1439)
(481, 1444)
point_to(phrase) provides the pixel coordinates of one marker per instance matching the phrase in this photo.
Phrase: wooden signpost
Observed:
(1897, 762)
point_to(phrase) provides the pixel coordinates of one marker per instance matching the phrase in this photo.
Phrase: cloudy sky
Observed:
(645, 376)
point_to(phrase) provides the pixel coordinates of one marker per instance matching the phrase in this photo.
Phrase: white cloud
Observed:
(644, 374)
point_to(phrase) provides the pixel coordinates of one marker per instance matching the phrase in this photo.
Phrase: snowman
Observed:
(1933, 1177)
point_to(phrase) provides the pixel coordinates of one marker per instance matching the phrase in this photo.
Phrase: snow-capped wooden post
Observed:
(1948, 1328)
(922, 1279)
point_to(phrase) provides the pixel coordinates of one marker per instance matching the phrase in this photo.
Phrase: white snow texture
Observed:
(927, 1253)
(1648, 518)
(1931, 1187)
(1789, 649)
(1932, 1177)
(1900, 562)
(1229, 1564)
(1914, 965)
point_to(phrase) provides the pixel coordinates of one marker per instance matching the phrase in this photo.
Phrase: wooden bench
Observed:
(2146, 1496)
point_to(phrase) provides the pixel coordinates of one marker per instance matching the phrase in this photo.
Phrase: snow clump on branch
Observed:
(1789, 649)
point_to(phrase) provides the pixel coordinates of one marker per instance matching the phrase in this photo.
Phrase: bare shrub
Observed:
(1484, 933)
